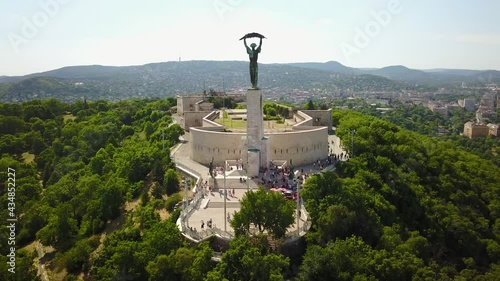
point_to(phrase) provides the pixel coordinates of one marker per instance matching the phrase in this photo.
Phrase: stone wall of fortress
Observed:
(320, 117)
(192, 119)
(303, 145)
(211, 142)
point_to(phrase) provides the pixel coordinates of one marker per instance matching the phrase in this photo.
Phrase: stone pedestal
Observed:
(257, 153)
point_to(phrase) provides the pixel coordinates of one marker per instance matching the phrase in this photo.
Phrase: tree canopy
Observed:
(245, 260)
(268, 211)
(408, 199)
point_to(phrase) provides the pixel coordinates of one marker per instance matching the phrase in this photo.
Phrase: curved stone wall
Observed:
(303, 146)
(206, 143)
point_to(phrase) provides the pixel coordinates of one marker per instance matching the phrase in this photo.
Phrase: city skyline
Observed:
(49, 34)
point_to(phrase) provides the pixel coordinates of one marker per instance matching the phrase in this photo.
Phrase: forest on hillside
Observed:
(422, 120)
(76, 165)
(406, 207)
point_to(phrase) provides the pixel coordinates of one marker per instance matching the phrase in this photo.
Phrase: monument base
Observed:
(253, 164)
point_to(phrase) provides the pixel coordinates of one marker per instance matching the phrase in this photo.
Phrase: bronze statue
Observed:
(253, 54)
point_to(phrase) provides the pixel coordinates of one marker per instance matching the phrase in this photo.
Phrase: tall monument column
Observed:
(255, 132)
(256, 151)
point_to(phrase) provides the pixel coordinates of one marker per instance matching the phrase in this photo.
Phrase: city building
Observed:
(437, 107)
(485, 112)
(452, 106)
(468, 104)
(475, 130)
(494, 130)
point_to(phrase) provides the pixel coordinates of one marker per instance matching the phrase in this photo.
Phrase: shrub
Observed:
(172, 200)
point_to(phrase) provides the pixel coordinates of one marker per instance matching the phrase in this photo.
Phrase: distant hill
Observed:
(332, 66)
(405, 74)
(174, 78)
(399, 72)
(42, 87)
(82, 72)
(488, 76)
(99, 72)
(458, 72)
(8, 79)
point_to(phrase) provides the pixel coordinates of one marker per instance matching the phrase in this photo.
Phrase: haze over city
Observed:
(48, 34)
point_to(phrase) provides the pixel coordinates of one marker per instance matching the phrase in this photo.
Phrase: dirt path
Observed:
(41, 267)
(119, 221)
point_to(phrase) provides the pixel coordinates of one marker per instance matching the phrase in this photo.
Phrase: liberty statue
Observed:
(253, 54)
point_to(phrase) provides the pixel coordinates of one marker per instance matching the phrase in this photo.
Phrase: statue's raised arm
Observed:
(246, 46)
(260, 44)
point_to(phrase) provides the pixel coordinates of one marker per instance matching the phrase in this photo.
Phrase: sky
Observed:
(40, 35)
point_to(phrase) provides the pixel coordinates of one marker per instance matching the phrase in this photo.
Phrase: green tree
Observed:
(246, 261)
(61, 228)
(147, 216)
(340, 260)
(32, 221)
(187, 264)
(158, 171)
(11, 109)
(34, 142)
(128, 262)
(11, 125)
(310, 105)
(24, 269)
(323, 106)
(78, 256)
(122, 256)
(126, 131)
(269, 211)
(148, 129)
(37, 110)
(162, 238)
(157, 190)
(271, 112)
(171, 182)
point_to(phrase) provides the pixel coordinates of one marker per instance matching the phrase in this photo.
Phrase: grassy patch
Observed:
(236, 124)
(30, 247)
(273, 124)
(242, 124)
(142, 135)
(68, 117)
(28, 157)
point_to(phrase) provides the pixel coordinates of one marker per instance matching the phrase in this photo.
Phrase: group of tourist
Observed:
(209, 224)
(204, 188)
(232, 193)
(278, 176)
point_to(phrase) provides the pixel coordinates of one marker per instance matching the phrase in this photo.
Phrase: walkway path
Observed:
(180, 154)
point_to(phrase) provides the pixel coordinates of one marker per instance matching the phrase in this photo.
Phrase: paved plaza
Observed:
(211, 206)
